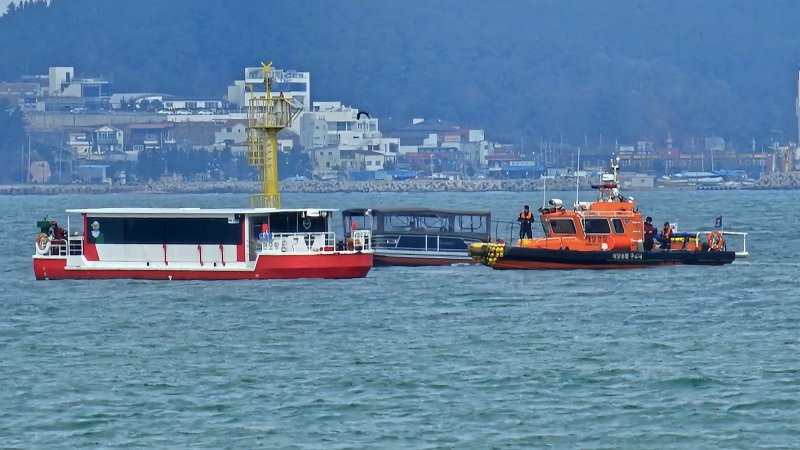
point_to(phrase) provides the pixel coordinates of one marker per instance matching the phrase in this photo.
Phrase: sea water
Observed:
(441, 357)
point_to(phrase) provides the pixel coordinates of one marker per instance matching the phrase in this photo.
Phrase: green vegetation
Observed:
(519, 68)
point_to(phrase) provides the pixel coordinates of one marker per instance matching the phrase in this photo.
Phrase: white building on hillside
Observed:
(62, 83)
(331, 123)
(232, 132)
(290, 83)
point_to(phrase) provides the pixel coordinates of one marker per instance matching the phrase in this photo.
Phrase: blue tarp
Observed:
(729, 173)
(383, 175)
(362, 176)
(524, 169)
(401, 174)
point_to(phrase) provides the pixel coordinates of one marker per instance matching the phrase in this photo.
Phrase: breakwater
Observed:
(313, 186)
(789, 180)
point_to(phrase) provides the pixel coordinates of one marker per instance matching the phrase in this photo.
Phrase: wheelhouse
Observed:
(597, 225)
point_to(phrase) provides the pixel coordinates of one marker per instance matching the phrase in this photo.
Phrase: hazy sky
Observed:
(4, 5)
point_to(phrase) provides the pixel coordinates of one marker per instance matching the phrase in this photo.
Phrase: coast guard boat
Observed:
(604, 234)
(201, 244)
(408, 236)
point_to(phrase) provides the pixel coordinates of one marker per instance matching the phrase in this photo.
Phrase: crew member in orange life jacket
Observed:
(666, 236)
(525, 220)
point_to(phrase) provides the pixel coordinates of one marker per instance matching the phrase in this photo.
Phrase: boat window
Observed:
(411, 242)
(294, 222)
(452, 243)
(618, 227)
(360, 220)
(433, 243)
(471, 224)
(385, 241)
(434, 223)
(562, 226)
(398, 223)
(596, 226)
(163, 230)
(283, 222)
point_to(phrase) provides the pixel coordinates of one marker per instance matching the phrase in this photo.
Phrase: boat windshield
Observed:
(562, 226)
(618, 227)
(289, 222)
(596, 226)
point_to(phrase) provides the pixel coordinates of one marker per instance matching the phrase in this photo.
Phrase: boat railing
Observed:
(740, 252)
(425, 242)
(304, 243)
(72, 246)
(360, 239)
(506, 230)
(621, 214)
(278, 243)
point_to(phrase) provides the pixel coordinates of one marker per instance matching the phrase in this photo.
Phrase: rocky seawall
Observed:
(315, 186)
(789, 180)
(429, 185)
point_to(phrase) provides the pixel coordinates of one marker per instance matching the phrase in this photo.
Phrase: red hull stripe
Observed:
(268, 267)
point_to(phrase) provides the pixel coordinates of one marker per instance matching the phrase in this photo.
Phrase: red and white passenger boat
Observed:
(198, 244)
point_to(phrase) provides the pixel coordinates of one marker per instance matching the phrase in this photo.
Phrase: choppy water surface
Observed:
(458, 357)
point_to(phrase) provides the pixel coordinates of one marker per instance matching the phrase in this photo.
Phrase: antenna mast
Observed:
(544, 189)
(577, 178)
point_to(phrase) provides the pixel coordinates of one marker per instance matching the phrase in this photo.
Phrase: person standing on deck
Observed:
(666, 236)
(525, 220)
(649, 234)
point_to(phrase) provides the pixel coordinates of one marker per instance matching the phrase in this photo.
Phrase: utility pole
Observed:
(60, 149)
(29, 159)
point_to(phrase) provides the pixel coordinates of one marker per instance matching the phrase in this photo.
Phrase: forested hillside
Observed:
(626, 69)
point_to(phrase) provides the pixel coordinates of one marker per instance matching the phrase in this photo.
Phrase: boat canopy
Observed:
(411, 210)
(414, 220)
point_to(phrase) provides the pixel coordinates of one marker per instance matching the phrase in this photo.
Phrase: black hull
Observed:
(530, 258)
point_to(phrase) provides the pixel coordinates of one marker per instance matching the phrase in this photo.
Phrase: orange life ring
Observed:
(715, 240)
(42, 244)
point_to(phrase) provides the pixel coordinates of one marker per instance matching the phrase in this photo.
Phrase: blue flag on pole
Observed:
(718, 222)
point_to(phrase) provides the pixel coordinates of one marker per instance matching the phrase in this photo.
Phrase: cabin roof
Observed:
(413, 210)
(187, 212)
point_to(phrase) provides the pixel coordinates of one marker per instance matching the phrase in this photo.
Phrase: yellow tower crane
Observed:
(266, 117)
